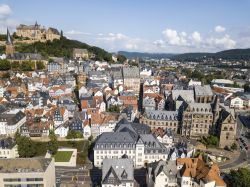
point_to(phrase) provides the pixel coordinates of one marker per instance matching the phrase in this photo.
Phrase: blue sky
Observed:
(139, 25)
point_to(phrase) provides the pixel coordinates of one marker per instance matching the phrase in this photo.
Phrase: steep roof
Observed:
(117, 171)
(197, 168)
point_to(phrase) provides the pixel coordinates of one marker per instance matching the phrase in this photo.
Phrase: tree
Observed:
(26, 148)
(247, 87)
(15, 65)
(114, 108)
(238, 178)
(6, 75)
(53, 143)
(234, 146)
(4, 65)
(27, 66)
(72, 134)
(90, 138)
(210, 141)
(40, 65)
(121, 58)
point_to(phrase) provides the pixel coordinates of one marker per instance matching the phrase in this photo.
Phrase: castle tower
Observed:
(9, 46)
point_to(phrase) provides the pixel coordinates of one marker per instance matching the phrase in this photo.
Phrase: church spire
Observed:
(9, 39)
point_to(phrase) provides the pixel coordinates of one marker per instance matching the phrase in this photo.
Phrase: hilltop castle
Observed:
(37, 32)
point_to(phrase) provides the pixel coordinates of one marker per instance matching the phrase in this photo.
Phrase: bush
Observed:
(210, 141)
(40, 65)
(72, 134)
(4, 65)
(234, 146)
(113, 108)
(27, 66)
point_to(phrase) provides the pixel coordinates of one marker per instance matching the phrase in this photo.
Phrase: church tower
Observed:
(9, 46)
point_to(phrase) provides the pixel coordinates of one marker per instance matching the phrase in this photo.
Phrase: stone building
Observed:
(27, 172)
(129, 140)
(197, 119)
(203, 94)
(161, 119)
(131, 78)
(80, 53)
(118, 172)
(37, 32)
(227, 126)
(161, 174)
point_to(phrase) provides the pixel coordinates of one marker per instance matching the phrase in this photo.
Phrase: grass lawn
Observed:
(63, 156)
(81, 146)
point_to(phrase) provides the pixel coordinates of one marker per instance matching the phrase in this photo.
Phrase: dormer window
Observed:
(124, 175)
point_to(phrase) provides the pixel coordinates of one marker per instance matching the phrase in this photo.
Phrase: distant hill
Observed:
(131, 55)
(62, 48)
(232, 54)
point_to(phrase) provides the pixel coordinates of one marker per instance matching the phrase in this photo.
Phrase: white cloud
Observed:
(196, 37)
(224, 42)
(219, 29)
(5, 11)
(173, 38)
(74, 32)
(5, 19)
(183, 42)
(159, 43)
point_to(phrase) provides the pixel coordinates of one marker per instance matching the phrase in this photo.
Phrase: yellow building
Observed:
(37, 32)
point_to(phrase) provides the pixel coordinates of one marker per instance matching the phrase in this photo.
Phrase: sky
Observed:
(159, 26)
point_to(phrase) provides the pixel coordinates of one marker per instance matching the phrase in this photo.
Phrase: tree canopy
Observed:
(62, 48)
(72, 134)
(238, 178)
(53, 143)
(26, 148)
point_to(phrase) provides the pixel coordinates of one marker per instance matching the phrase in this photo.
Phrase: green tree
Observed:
(27, 66)
(234, 146)
(15, 65)
(26, 148)
(90, 138)
(114, 108)
(40, 65)
(53, 143)
(72, 134)
(6, 75)
(4, 65)
(210, 141)
(247, 87)
(121, 58)
(238, 178)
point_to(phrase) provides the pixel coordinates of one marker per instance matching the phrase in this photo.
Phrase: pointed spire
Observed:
(8, 39)
(36, 24)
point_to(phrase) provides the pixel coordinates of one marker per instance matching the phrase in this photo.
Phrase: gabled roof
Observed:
(117, 171)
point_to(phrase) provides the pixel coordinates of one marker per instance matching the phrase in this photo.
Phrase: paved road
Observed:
(238, 161)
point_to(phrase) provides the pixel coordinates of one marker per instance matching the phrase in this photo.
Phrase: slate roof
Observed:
(203, 90)
(131, 72)
(162, 115)
(117, 171)
(187, 95)
(7, 143)
(25, 56)
(11, 118)
(200, 107)
(169, 168)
